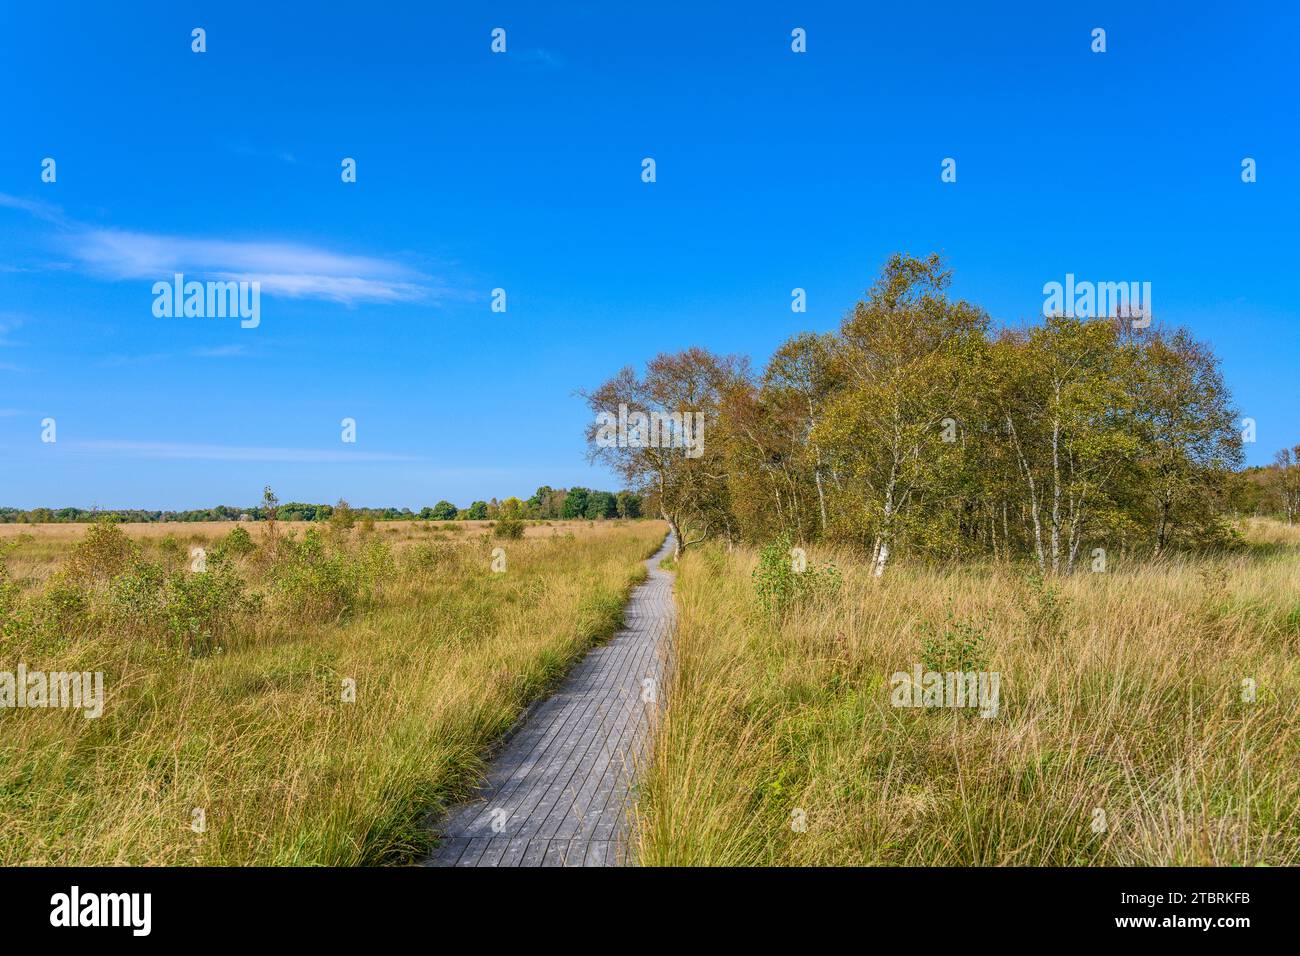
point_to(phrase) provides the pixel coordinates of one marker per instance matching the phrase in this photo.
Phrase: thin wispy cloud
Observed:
(149, 358)
(124, 361)
(220, 351)
(34, 207)
(197, 452)
(292, 270)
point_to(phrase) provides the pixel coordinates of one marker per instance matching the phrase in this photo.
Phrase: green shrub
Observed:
(433, 557)
(428, 557)
(103, 553)
(313, 582)
(321, 584)
(237, 544)
(172, 551)
(374, 565)
(62, 609)
(201, 610)
(342, 518)
(779, 586)
(135, 598)
(511, 528)
(957, 646)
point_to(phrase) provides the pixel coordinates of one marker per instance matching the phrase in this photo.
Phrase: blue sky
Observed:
(522, 171)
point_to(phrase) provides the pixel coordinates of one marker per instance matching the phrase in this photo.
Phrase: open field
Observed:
(225, 691)
(1122, 737)
(50, 543)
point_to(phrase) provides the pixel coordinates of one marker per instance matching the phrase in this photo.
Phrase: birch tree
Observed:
(904, 359)
(661, 441)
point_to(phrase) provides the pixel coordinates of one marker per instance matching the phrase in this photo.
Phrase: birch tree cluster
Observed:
(919, 428)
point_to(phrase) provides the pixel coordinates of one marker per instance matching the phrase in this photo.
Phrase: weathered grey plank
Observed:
(535, 853)
(555, 853)
(452, 850)
(558, 793)
(473, 852)
(598, 852)
(493, 852)
(512, 851)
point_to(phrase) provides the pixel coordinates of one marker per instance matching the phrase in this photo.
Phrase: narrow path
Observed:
(559, 792)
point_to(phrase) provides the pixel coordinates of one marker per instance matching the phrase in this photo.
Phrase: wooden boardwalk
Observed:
(558, 793)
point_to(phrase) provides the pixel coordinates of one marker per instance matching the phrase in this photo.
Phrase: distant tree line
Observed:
(547, 503)
(919, 428)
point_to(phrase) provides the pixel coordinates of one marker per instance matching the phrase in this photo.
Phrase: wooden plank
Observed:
(555, 852)
(473, 852)
(449, 851)
(535, 853)
(516, 848)
(493, 852)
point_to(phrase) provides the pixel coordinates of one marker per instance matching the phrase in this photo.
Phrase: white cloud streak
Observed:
(292, 270)
(193, 452)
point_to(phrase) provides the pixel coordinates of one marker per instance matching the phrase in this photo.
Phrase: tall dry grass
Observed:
(1121, 692)
(43, 547)
(444, 654)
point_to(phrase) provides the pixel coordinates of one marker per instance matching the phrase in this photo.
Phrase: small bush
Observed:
(171, 551)
(237, 544)
(342, 519)
(957, 646)
(103, 553)
(313, 582)
(374, 564)
(62, 610)
(779, 586)
(323, 584)
(135, 598)
(510, 528)
(202, 610)
(428, 557)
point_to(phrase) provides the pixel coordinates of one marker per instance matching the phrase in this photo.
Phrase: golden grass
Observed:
(258, 737)
(1132, 706)
(41, 547)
